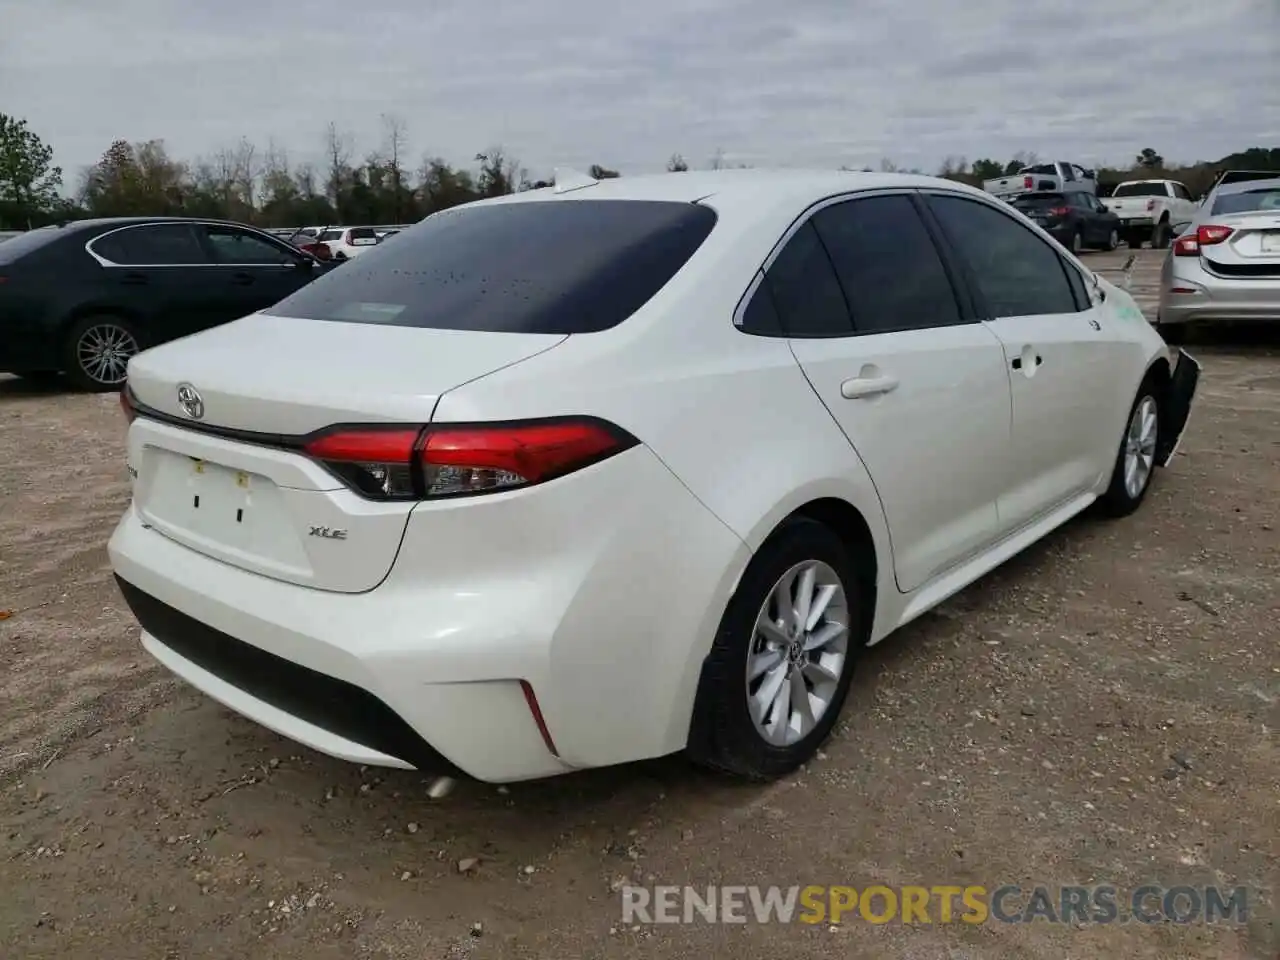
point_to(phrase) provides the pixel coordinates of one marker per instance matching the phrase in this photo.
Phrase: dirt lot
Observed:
(1103, 708)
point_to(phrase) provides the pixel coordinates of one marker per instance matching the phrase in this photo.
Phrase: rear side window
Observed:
(1018, 273)
(887, 265)
(157, 244)
(560, 266)
(805, 290)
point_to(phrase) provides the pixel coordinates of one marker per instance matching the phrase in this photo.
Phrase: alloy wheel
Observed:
(103, 353)
(1140, 447)
(798, 652)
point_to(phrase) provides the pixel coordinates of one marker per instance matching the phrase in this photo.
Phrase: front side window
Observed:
(557, 266)
(887, 264)
(1017, 273)
(151, 245)
(230, 245)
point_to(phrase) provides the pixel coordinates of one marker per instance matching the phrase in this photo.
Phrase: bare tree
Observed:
(677, 164)
(337, 148)
(395, 142)
(717, 160)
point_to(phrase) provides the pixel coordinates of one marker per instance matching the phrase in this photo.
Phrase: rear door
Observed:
(253, 270)
(916, 384)
(159, 272)
(1069, 379)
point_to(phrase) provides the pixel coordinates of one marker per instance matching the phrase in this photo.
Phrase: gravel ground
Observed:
(1103, 708)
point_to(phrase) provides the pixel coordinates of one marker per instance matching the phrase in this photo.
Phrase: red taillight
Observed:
(374, 461)
(1059, 211)
(1186, 247)
(1151, 205)
(126, 405)
(401, 463)
(1211, 234)
(1028, 182)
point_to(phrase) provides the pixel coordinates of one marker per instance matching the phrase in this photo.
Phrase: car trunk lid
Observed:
(234, 482)
(1251, 250)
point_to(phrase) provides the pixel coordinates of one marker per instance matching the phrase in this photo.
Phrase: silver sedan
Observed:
(1224, 265)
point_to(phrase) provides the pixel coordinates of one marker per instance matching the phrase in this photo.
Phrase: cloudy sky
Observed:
(567, 82)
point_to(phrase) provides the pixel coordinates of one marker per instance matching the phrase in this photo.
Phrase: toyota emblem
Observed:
(190, 401)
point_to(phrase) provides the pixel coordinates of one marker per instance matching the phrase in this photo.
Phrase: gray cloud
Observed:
(818, 83)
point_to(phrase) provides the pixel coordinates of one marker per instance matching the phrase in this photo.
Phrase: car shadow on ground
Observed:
(24, 387)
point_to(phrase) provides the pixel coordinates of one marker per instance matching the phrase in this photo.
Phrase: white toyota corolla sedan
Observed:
(613, 470)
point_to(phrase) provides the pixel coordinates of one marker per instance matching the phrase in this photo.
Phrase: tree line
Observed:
(265, 187)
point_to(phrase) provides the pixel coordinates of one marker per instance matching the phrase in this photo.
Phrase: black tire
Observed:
(1174, 334)
(1134, 240)
(1119, 500)
(1160, 235)
(1113, 240)
(723, 735)
(1077, 241)
(102, 328)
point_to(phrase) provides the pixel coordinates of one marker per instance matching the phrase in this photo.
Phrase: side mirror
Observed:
(1104, 208)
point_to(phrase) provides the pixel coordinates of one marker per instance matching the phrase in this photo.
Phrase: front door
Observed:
(253, 271)
(1064, 373)
(917, 386)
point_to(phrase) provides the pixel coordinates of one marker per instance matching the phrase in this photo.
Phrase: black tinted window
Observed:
(805, 289)
(1152, 188)
(887, 264)
(1017, 273)
(363, 233)
(761, 316)
(1039, 201)
(239, 246)
(160, 244)
(558, 266)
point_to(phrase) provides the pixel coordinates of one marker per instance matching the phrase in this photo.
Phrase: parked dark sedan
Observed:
(83, 297)
(1075, 219)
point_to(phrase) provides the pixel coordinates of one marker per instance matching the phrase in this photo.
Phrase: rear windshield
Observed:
(363, 233)
(558, 266)
(1039, 201)
(1267, 198)
(328, 235)
(1141, 190)
(1040, 168)
(21, 244)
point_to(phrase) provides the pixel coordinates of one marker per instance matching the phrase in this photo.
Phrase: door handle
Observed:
(1035, 361)
(242, 279)
(856, 388)
(134, 279)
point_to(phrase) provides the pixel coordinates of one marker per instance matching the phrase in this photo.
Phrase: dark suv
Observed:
(84, 297)
(1075, 219)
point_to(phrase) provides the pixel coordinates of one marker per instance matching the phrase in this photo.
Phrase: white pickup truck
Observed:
(1057, 177)
(1147, 209)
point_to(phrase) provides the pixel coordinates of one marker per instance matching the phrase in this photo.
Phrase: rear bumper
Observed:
(1213, 299)
(603, 595)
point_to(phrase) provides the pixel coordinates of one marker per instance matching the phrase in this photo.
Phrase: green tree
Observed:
(987, 169)
(1150, 160)
(29, 181)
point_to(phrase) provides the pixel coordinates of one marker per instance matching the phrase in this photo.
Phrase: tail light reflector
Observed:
(1059, 211)
(1151, 205)
(531, 699)
(126, 405)
(412, 463)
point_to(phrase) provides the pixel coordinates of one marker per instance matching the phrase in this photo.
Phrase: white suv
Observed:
(347, 242)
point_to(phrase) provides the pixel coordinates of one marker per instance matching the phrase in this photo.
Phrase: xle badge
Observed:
(328, 533)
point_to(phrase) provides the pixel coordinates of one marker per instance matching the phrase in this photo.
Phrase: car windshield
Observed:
(21, 244)
(560, 266)
(1039, 201)
(1152, 189)
(1247, 201)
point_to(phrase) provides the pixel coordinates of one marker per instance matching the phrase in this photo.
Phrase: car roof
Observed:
(97, 223)
(750, 187)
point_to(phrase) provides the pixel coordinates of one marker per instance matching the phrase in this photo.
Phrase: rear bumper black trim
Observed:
(341, 708)
(1178, 399)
